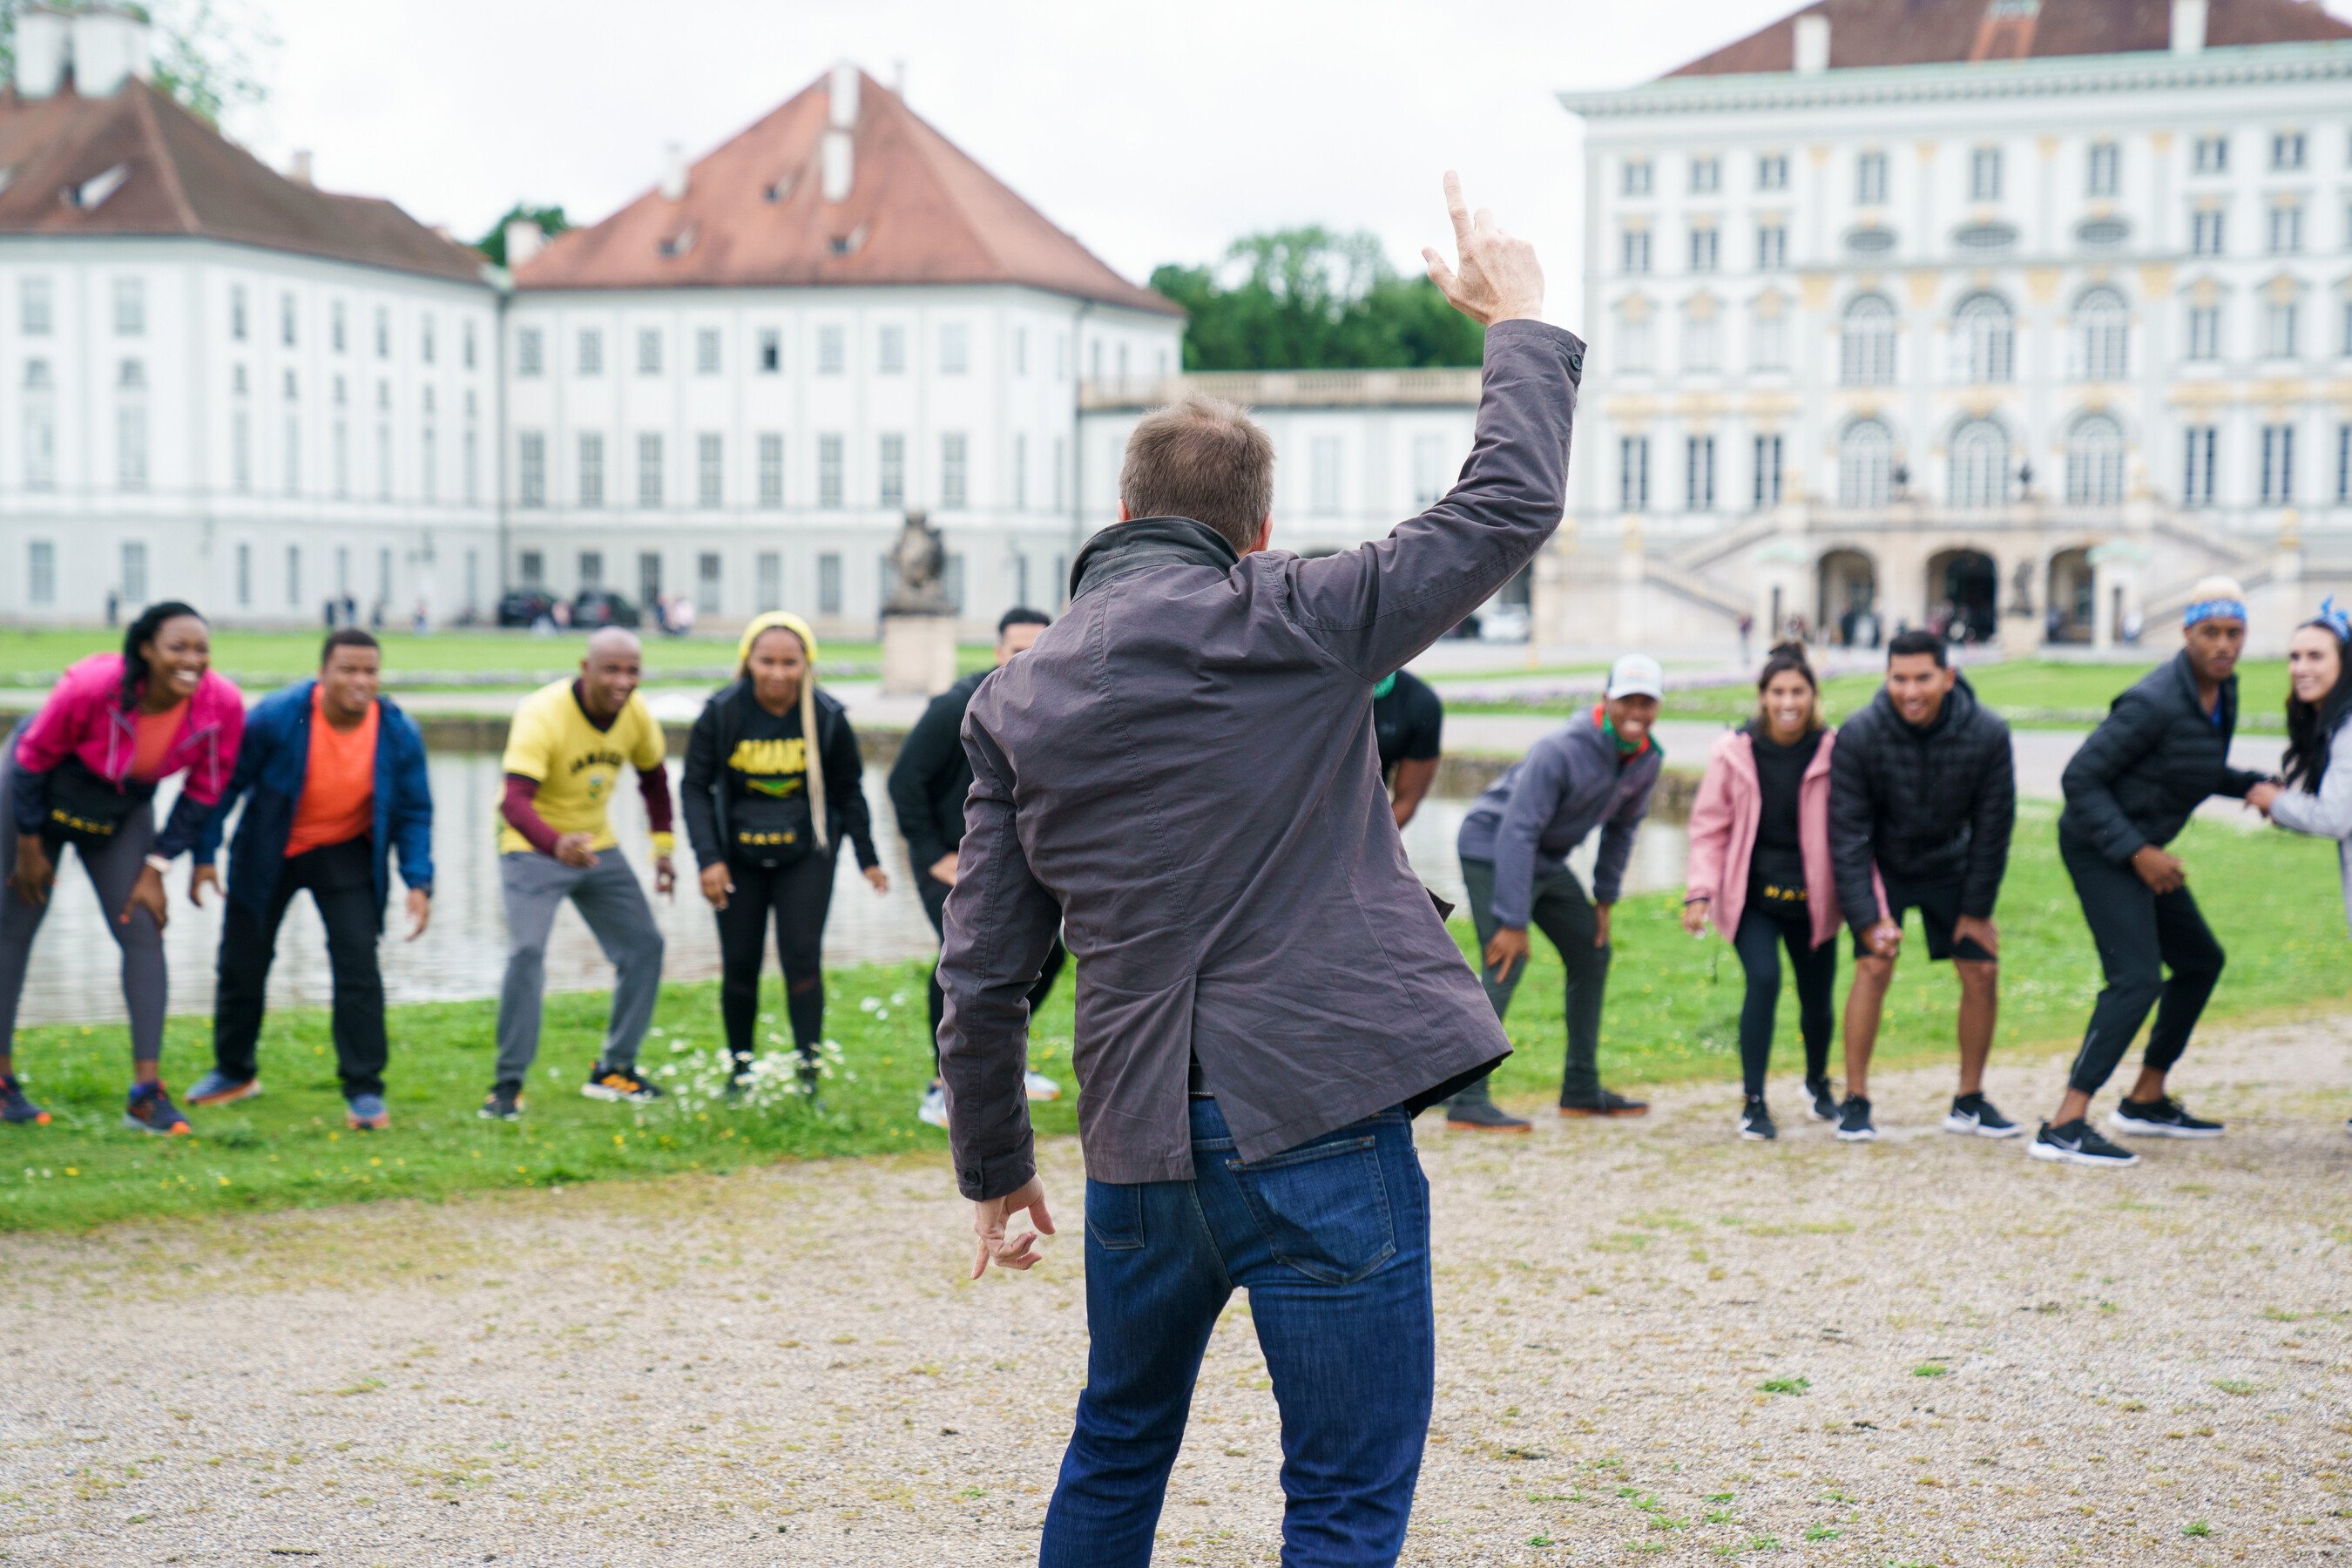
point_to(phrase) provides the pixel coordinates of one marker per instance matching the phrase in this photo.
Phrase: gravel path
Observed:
(1985, 1360)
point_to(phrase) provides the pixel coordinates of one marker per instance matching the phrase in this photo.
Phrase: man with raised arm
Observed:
(1181, 776)
(571, 745)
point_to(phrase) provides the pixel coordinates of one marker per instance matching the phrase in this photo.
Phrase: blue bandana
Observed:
(2334, 618)
(2211, 609)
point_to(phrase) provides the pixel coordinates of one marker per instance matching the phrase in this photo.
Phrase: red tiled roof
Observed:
(183, 177)
(918, 211)
(1928, 32)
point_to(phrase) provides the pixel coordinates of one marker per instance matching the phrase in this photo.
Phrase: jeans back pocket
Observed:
(1324, 1209)
(1115, 1216)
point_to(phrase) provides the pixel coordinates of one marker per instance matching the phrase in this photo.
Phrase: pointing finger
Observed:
(1456, 208)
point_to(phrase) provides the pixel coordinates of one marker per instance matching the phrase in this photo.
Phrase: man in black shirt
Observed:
(928, 785)
(1409, 722)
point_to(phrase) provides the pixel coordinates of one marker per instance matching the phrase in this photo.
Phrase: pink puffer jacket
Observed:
(84, 718)
(1723, 835)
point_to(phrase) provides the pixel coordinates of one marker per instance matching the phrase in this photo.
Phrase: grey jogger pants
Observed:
(113, 871)
(610, 899)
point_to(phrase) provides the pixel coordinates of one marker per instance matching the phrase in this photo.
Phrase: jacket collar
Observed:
(1144, 541)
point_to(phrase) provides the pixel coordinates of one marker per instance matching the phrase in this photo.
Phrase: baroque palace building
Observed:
(220, 383)
(2021, 315)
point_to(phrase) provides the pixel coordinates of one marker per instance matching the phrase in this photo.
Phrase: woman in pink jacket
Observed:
(1760, 871)
(83, 771)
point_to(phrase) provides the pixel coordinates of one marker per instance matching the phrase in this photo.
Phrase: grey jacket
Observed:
(1182, 774)
(2328, 813)
(1534, 816)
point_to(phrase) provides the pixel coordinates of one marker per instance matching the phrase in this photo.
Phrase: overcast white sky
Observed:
(1153, 132)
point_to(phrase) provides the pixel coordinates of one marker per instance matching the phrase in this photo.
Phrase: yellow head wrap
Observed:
(768, 621)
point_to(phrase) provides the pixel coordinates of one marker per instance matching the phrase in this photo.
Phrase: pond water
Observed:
(76, 969)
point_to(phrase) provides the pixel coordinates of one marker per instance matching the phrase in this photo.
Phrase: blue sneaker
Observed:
(149, 1110)
(365, 1113)
(216, 1088)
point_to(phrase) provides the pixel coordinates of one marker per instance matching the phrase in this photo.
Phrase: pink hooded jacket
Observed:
(1723, 835)
(84, 718)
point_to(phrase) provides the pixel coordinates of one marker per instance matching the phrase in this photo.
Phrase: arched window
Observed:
(1866, 348)
(1988, 330)
(1866, 464)
(2094, 462)
(2103, 335)
(1979, 465)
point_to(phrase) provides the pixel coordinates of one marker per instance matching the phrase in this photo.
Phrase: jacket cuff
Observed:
(981, 1178)
(1559, 337)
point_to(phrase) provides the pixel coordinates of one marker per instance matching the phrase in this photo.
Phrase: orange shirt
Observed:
(337, 800)
(156, 733)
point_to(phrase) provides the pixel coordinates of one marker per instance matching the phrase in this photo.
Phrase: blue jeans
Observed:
(1331, 1241)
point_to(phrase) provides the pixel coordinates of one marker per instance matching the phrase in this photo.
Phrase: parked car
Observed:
(1504, 623)
(602, 607)
(524, 607)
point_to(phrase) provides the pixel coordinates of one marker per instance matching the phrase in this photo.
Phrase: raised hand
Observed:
(1494, 277)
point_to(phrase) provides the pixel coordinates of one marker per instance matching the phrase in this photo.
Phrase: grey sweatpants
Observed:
(113, 870)
(610, 899)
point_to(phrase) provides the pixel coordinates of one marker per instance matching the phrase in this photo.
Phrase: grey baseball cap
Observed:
(1636, 675)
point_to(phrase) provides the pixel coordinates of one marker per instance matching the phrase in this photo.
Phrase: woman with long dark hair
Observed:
(83, 771)
(772, 786)
(2316, 798)
(1760, 874)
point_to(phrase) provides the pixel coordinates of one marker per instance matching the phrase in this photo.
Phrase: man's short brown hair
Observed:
(1204, 458)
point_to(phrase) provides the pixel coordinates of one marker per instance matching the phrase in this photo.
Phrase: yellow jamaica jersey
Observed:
(578, 766)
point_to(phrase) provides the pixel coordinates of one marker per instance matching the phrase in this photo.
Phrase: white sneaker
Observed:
(1043, 1088)
(934, 1108)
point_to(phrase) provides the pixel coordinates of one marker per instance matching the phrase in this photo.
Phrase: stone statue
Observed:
(920, 559)
(2021, 589)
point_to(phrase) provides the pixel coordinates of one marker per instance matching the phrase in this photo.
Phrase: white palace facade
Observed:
(2023, 315)
(219, 382)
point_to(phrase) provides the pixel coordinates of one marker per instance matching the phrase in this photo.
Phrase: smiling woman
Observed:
(84, 772)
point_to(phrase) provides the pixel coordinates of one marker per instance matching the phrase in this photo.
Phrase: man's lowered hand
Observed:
(988, 1222)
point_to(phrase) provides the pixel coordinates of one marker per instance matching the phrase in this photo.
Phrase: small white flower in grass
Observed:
(868, 1003)
(897, 998)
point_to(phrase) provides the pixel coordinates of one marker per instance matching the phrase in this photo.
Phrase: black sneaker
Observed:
(504, 1104)
(1854, 1120)
(1755, 1123)
(1484, 1116)
(2078, 1144)
(16, 1108)
(2163, 1117)
(1824, 1099)
(1607, 1102)
(619, 1083)
(1975, 1114)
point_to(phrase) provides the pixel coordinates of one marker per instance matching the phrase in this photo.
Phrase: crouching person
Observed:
(333, 778)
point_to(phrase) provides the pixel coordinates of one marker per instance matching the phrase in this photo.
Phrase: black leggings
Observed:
(798, 894)
(1760, 939)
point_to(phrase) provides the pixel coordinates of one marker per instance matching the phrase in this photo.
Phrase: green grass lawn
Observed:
(2035, 693)
(1672, 1016)
(33, 657)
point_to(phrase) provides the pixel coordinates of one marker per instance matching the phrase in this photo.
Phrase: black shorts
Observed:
(1938, 904)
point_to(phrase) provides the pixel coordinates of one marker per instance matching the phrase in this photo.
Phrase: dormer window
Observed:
(93, 191)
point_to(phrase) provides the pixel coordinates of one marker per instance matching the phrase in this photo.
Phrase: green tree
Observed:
(1310, 298)
(550, 220)
(210, 55)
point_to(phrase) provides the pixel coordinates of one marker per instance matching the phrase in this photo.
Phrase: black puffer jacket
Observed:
(1930, 804)
(2155, 756)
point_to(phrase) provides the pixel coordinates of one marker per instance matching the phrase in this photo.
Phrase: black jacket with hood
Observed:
(2155, 756)
(1929, 804)
(702, 791)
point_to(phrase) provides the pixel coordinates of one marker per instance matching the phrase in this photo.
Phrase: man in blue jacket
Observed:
(333, 775)
(1596, 771)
